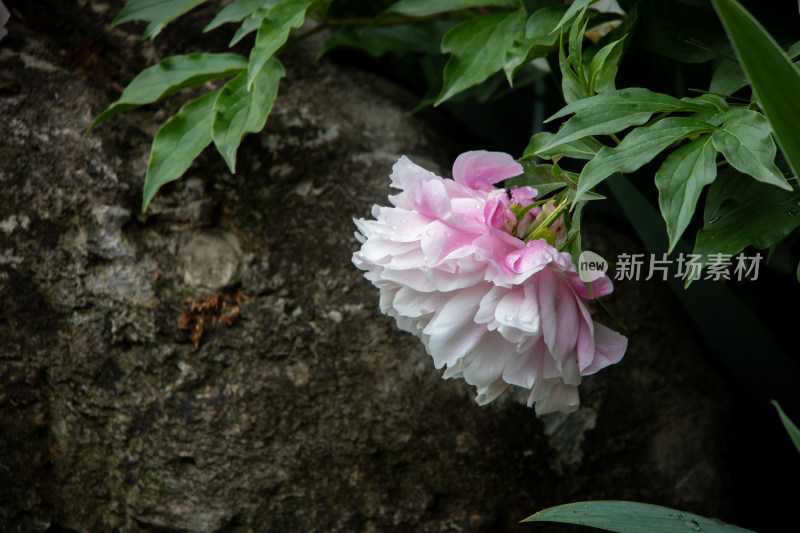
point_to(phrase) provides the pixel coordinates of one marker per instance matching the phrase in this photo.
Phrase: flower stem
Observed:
(539, 231)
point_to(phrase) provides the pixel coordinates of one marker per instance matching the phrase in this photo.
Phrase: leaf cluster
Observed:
(223, 116)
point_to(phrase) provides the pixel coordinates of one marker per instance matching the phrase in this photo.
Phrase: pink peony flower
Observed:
(453, 268)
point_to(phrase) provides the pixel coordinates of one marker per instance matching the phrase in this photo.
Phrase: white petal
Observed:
(457, 312)
(411, 303)
(485, 363)
(448, 349)
(524, 368)
(489, 393)
(488, 305)
(559, 397)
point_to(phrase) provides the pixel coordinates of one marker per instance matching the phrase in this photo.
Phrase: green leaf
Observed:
(237, 11)
(423, 37)
(571, 87)
(712, 102)
(576, 35)
(742, 212)
(540, 177)
(681, 179)
(793, 51)
(478, 47)
(771, 73)
(157, 12)
(574, 9)
(632, 517)
(613, 112)
(424, 8)
(638, 148)
(727, 78)
(273, 32)
(745, 141)
(538, 40)
(170, 76)
(178, 143)
(252, 22)
(239, 111)
(585, 148)
(604, 66)
(794, 433)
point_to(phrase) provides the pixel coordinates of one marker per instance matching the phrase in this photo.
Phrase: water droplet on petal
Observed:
(430, 233)
(509, 318)
(694, 526)
(793, 211)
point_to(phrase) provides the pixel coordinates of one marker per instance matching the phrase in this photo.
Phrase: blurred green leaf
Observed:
(538, 40)
(252, 22)
(238, 111)
(681, 179)
(632, 517)
(638, 148)
(478, 47)
(237, 11)
(157, 12)
(424, 8)
(791, 428)
(771, 73)
(170, 76)
(793, 51)
(273, 32)
(745, 141)
(727, 78)
(613, 112)
(423, 37)
(686, 31)
(742, 212)
(584, 148)
(178, 143)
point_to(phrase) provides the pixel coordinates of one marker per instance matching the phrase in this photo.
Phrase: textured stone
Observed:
(313, 412)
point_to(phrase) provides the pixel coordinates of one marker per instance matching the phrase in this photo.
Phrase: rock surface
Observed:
(312, 412)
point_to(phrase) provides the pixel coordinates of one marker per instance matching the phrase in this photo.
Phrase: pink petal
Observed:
(479, 170)
(430, 198)
(609, 348)
(531, 259)
(559, 314)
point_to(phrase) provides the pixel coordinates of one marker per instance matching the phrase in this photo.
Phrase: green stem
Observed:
(538, 232)
(528, 207)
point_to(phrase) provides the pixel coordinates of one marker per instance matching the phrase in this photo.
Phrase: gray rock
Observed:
(313, 412)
